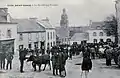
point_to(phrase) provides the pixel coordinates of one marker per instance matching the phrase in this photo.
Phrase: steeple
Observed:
(64, 11)
(64, 19)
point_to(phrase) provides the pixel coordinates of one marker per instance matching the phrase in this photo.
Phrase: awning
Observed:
(4, 42)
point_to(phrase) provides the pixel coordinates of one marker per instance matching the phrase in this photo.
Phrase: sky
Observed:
(79, 12)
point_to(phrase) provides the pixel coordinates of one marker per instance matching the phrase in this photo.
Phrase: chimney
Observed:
(4, 9)
(33, 19)
(46, 19)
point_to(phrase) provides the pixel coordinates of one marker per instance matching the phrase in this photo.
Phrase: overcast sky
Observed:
(79, 11)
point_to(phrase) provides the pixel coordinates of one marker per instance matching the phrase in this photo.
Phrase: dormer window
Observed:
(101, 34)
(94, 34)
(8, 33)
(21, 37)
(98, 27)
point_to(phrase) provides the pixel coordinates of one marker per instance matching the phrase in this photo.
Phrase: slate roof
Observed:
(3, 15)
(62, 32)
(94, 25)
(79, 37)
(27, 25)
(45, 24)
(3, 12)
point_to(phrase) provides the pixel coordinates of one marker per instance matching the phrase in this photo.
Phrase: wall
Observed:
(26, 41)
(13, 28)
(104, 37)
(53, 39)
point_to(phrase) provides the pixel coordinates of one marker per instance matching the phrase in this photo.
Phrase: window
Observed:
(0, 33)
(21, 37)
(51, 35)
(108, 34)
(65, 39)
(29, 37)
(48, 35)
(101, 34)
(51, 44)
(98, 27)
(48, 45)
(54, 43)
(95, 40)
(9, 33)
(35, 44)
(37, 36)
(94, 34)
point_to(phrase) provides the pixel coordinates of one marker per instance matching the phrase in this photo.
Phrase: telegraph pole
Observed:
(116, 36)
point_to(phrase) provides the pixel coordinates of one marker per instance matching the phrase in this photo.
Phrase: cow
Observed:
(39, 60)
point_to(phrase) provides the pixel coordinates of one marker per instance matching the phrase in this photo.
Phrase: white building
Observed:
(8, 31)
(96, 33)
(34, 33)
(50, 33)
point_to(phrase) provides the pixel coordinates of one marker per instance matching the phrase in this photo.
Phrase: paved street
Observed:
(100, 70)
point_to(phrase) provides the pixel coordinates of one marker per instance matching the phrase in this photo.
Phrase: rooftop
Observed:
(45, 23)
(79, 37)
(27, 25)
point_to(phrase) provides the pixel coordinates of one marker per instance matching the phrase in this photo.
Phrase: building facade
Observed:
(97, 34)
(33, 33)
(8, 32)
(50, 33)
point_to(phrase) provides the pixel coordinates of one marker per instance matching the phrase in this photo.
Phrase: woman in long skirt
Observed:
(86, 65)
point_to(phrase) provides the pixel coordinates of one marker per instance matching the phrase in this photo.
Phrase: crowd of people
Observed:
(60, 54)
(6, 56)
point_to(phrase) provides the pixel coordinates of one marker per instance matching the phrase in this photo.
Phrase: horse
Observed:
(39, 60)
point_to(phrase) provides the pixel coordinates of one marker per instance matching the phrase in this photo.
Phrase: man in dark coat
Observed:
(93, 53)
(9, 57)
(60, 62)
(62, 57)
(108, 56)
(54, 60)
(70, 53)
(22, 55)
(36, 51)
(115, 55)
(2, 58)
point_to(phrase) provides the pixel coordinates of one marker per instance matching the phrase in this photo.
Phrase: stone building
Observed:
(96, 33)
(33, 33)
(63, 30)
(8, 32)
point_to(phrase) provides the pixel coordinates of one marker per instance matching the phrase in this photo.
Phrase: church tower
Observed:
(64, 29)
(64, 19)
